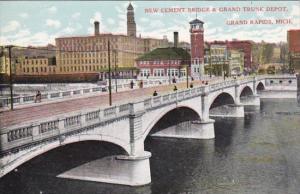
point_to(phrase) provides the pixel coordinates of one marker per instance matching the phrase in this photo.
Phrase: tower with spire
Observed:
(131, 26)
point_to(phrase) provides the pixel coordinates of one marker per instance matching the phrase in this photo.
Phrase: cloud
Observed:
(23, 15)
(295, 10)
(97, 17)
(53, 23)
(144, 20)
(11, 26)
(52, 9)
(111, 21)
(76, 15)
(68, 30)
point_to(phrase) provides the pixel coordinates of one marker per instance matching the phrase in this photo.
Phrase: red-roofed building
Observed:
(293, 39)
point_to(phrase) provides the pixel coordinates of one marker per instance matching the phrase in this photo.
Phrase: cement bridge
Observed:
(128, 125)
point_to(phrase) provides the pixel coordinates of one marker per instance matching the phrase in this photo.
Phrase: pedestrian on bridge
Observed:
(38, 97)
(131, 84)
(175, 89)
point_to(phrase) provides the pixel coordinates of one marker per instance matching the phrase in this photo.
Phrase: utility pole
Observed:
(187, 71)
(116, 82)
(169, 70)
(10, 78)
(109, 74)
(210, 65)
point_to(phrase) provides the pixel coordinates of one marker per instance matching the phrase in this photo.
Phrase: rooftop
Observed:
(166, 54)
(196, 21)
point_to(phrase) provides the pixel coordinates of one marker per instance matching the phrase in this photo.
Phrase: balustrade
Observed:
(19, 133)
(72, 121)
(110, 111)
(48, 126)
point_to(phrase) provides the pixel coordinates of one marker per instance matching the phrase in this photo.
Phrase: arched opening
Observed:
(51, 163)
(221, 100)
(246, 92)
(220, 105)
(176, 117)
(260, 87)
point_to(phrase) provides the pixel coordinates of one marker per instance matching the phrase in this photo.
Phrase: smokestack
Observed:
(175, 39)
(97, 26)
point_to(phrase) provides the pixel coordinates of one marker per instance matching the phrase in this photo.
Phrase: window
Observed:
(158, 72)
(145, 72)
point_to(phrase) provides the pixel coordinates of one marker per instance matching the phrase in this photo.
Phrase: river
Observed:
(257, 154)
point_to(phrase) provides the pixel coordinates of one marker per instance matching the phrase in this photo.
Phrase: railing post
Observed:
(21, 100)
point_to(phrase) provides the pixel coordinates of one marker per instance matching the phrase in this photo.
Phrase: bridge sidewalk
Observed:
(47, 109)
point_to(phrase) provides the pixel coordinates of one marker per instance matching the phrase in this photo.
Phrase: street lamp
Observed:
(10, 77)
(187, 69)
(109, 74)
(116, 82)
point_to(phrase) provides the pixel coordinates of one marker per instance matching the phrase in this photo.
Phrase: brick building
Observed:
(293, 39)
(36, 66)
(197, 47)
(169, 62)
(246, 47)
(89, 54)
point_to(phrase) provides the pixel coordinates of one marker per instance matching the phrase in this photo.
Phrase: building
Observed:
(29, 56)
(4, 61)
(216, 59)
(197, 48)
(131, 26)
(89, 54)
(163, 62)
(171, 62)
(293, 39)
(236, 62)
(246, 47)
(36, 66)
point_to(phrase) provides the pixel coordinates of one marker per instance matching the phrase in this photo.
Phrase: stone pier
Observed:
(253, 100)
(231, 110)
(189, 130)
(122, 169)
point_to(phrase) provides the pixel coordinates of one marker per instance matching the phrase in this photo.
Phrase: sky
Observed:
(40, 22)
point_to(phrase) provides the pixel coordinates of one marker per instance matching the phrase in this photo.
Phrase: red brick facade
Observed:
(294, 41)
(242, 45)
(246, 47)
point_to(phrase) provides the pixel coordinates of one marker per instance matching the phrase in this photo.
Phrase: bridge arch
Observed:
(260, 86)
(39, 150)
(221, 99)
(246, 91)
(169, 111)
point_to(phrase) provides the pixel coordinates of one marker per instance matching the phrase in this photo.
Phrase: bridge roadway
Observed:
(31, 131)
(36, 112)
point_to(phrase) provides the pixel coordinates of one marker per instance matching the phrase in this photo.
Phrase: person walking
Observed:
(38, 96)
(175, 89)
(155, 93)
(131, 84)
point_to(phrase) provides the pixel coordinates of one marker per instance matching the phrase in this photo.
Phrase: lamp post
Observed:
(210, 65)
(116, 82)
(109, 74)
(10, 77)
(169, 70)
(187, 69)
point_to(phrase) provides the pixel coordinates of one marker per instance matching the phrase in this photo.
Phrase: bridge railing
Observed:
(14, 137)
(50, 96)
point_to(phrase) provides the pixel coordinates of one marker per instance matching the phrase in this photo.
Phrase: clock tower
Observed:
(197, 48)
